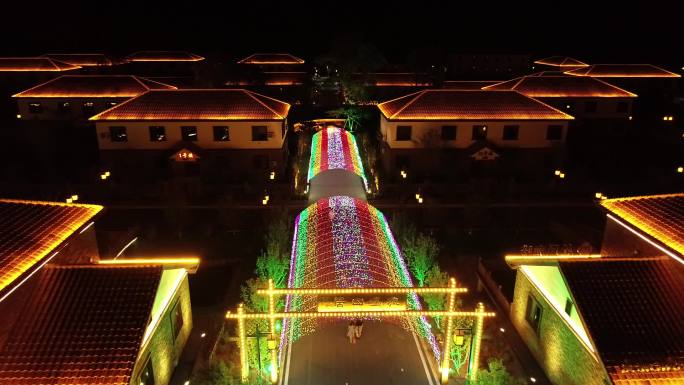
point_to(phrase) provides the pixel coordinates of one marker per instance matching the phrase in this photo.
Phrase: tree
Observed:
(216, 374)
(353, 116)
(421, 255)
(274, 260)
(496, 374)
(436, 278)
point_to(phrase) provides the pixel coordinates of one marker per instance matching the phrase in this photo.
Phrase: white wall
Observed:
(531, 134)
(240, 135)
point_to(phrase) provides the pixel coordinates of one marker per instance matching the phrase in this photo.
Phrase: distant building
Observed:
(280, 75)
(472, 132)
(582, 97)
(614, 317)
(227, 133)
(81, 59)
(560, 63)
(18, 73)
(75, 97)
(468, 84)
(482, 66)
(657, 88)
(173, 64)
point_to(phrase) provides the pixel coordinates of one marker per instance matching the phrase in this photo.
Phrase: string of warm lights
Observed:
(359, 314)
(373, 290)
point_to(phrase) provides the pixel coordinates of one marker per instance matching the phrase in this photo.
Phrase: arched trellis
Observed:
(479, 314)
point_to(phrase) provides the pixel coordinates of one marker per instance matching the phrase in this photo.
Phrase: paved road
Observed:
(385, 354)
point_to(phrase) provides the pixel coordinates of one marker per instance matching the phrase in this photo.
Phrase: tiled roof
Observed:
(81, 325)
(469, 105)
(81, 59)
(215, 104)
(561, 86)
(468, 84)
(33, 64)
(96, 86)
(623, 71)
(561, 61)
(632, 308)
(271, 58)
(163, 56)
(658, 216)
(30, 231)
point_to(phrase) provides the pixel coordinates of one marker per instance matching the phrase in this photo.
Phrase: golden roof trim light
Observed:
(623, 71)
(561, 86)
(73, 91)
(561, 61)
(287, 59)
(34, 64)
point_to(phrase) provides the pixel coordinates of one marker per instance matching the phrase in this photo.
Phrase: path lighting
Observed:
(74, 197)
(18, 116)
(680, 169)
(272, 175)
(562, 175)
(203, 335)
(557, 172)
(420, 200)
(69, 200)
(417, 196)
(403, 174)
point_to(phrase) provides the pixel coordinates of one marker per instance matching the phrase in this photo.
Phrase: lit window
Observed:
(118, 134)
(63, 107)
(510, 132)
(189, 133)
(403, 133)
(112, 103)
(533, 313)
(479, 132)
(554, 132)
(221, 134)
(259, 133)
(157, 134)
(568, 306)
(146, 377)
(35, 108)
(88, 108)
(448, 132)
(176, 319)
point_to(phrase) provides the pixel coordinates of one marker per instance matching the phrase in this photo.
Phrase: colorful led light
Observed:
(334, 148)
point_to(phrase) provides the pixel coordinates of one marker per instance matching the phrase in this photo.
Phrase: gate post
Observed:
(446, 350)
(244, 364)
(271, 338)
(477, 341)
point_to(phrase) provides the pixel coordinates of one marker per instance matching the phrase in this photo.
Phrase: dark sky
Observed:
(594, 31)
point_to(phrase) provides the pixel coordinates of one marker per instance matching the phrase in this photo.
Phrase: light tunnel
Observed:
(344, 242)
(335, 149)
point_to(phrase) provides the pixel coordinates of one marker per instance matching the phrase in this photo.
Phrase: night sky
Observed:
(592, 31)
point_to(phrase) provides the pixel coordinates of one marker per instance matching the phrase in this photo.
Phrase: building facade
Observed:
(471, 130)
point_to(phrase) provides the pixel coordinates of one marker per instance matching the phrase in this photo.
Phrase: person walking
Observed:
(359, 328)
(351, 332)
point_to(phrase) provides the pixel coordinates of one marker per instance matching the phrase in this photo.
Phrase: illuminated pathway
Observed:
(340, 241)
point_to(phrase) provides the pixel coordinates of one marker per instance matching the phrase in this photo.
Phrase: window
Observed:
(622, 107)
(554, 132)
(568, 306)
(448, 132)
(176, 319)
(157, 134)
(63, 107)
(88, 108)
(479, 132)
(146, 377)
(221, 134)
(259, 133)
(511, 132)
(189, 133)
(590, 107)
(112, 103)
(403, 133)
(35, 108)
(533, 313)
(118, 134)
